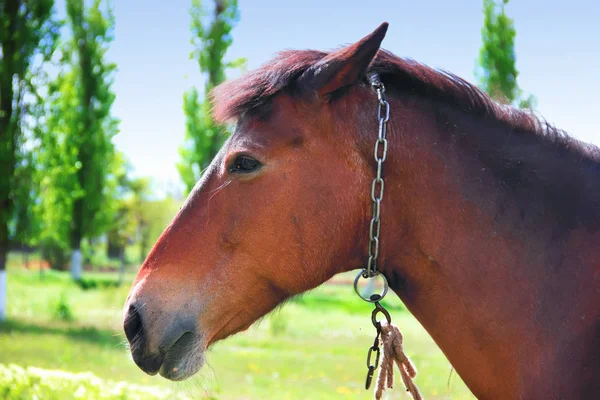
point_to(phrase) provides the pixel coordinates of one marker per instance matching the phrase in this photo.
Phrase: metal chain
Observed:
(380, 154)
(372, 366)
(377, 187)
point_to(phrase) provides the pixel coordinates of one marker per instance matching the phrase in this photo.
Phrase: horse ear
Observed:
(343, 67)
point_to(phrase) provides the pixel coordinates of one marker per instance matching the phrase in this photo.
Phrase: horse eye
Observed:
(244, 164)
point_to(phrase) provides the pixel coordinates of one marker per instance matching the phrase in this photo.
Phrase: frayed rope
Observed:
(393, 351)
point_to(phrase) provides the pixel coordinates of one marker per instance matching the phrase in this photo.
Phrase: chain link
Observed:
(378, 185)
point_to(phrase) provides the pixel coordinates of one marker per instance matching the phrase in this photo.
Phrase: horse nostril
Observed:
(135, 332)
(134, 329)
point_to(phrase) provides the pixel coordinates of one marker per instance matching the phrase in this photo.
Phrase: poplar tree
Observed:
(497, 70)
(76, 150)
(211, 37)
(28, 33)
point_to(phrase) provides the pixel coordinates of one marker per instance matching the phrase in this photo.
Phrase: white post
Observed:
(3, 294)
(76, 264)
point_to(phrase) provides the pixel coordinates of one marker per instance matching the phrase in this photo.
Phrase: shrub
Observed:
(87, 283)
(62, 310)
(55, 253)
(17, 383)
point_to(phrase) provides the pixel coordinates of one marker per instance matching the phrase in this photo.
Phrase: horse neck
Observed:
(482, 289)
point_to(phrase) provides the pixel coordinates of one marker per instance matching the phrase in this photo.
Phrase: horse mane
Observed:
(530, 154)
(235, 98)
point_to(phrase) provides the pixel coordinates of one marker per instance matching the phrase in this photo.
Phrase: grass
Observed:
(313, 348)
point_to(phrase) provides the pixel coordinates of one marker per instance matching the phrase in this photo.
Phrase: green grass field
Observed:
(313, 348)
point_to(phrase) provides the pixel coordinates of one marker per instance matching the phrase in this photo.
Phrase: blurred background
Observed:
(105, 127)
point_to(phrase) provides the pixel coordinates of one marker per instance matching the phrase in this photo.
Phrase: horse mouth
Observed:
(184, 358)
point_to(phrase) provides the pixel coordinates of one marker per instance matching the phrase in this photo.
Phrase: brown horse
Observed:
(490, 231)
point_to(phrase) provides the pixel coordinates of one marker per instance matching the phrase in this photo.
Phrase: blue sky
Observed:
(557, 45)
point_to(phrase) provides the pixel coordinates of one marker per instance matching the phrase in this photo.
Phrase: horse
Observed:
(489, 224)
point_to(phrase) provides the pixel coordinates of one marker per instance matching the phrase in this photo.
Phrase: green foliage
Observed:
(94, 252)
(25, 228)
(28, 34)
(97, 282)
(57, 166)
(130, 222)
(18, 383)
(77, 169)
(62, 309)
(91, 130)
(55, 252)
(211, 40)
(154, 216)
(497, 71)
(141, 190)
(122, 230)
(497, 55)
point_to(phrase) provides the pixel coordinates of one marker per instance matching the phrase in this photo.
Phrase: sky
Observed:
(557, 47)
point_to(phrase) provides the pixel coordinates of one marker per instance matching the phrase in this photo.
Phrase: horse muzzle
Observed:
(172, 348)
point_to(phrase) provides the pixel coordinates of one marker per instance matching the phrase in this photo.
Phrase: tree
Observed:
(122, 230)
(497, 71)
(27, 35)
(75, 155)
(25, 225)
(56, 158)
(131, 222)
(141, 190)
(211, 40)
(158, 213)
(92, 128)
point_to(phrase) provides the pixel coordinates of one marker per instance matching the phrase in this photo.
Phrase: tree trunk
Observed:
(7, 135)
(4, 246)
(80, 217)
(142, 252)
(76, 236)
(122, 266)
(41, 267)
(25, 255)
(3, 285)
(76, 261)
(143, 242)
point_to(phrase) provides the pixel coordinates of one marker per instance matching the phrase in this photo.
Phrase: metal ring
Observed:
(380, 309)
(374, 298)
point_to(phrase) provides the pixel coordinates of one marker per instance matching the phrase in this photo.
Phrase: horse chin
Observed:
(184, 359)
